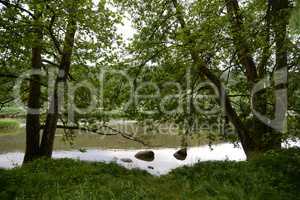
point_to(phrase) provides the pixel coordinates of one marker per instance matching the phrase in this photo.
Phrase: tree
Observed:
(33, 118)
(64, 70)
(208, 34)
(232, 45)
(87, 30)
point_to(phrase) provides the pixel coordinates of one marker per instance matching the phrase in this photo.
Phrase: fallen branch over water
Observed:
(99, 132)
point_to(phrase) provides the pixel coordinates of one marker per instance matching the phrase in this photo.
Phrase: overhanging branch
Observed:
(97, 131)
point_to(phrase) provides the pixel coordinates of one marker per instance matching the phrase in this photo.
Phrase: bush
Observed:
(9, 124)
(12, 111)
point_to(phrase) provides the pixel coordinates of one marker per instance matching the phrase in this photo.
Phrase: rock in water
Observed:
(181, 154)
(126, 160)
(145, 156)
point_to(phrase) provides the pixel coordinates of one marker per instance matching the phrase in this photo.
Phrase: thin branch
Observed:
(53, 38)
(125, 135)
(8, 4)
(2, 104)
(238, 95)
(50, 62)
(96, 130)
(52, 54)
(6, 75)
(15, 76)
(81, 128)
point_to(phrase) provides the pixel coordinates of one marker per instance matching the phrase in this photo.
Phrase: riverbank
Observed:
(9, 127)
(274, 176)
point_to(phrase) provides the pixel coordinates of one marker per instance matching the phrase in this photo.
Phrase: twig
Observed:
(96, 130)
(8, 4)
(53, 38)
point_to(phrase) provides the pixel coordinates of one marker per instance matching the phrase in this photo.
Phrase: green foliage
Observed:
(95, 35)
(9, 125)
(273, 176)
(161, 48)
(11, 111)
(159, 53)
(294, 20)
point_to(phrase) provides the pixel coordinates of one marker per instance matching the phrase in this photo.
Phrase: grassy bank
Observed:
(9, 126)
(12, 111)
(274, 176)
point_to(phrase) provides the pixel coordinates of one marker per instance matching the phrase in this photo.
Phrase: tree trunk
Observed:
(240, 41)
(55, 102)
(278, 14)
(280, 17)
(265, 138)
(33, 112)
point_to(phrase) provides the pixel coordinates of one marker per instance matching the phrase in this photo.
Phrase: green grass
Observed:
(12, 111)
(9, 125)
(274, 176)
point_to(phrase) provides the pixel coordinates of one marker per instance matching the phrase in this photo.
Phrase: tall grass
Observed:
(9, 124)
(12, 111)
(274, 176)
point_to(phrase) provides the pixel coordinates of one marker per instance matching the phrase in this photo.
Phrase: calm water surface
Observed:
(163, 163)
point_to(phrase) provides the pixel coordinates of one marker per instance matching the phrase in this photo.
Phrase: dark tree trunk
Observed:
(264, 137)
(280, 17)
(55, 102)
(240, 41)
(47, 142)
(33, 113)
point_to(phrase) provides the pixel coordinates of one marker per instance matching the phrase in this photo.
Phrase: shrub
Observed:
(9, 124)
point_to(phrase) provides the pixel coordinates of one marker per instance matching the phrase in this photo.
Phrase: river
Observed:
(163, 163)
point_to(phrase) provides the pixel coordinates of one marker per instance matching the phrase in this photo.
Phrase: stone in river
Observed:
(181, 154)
(145, 156)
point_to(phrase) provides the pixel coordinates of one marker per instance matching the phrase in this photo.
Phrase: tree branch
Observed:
(52, 36)
(204, 70)
(261, 68)
(50, 62)
(2, 104)
(15, 76)
(96, 130)
(240, 40)
(7, 75)
(8, 4)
